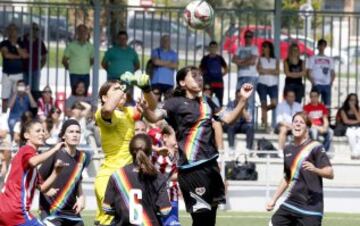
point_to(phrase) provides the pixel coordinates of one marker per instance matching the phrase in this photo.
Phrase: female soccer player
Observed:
(191, 114)
(305, 164)
(116, 123)
(136, 194)
(61, 206)
(22, 178)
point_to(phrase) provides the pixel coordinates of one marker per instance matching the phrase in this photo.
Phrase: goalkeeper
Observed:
(116, 123)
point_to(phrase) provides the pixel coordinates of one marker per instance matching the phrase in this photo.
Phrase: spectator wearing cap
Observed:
(79, 57)
(165, 61)
(246, 60)
(214, 68)
(33, 64)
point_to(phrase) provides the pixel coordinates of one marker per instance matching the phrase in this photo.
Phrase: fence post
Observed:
(96, 66)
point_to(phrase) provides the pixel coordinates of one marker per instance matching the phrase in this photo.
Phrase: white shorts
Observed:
(8, 83)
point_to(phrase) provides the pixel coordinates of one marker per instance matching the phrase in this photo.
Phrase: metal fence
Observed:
(57, 24)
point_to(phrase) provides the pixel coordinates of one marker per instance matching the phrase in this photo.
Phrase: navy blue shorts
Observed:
(264, 91)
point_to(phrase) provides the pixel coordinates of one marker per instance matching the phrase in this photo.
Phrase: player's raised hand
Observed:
(246, 90)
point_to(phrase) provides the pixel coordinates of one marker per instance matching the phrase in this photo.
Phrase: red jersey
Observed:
(316, 113)
(18, 191)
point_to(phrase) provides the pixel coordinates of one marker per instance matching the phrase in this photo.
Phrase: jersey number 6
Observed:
(135, 209)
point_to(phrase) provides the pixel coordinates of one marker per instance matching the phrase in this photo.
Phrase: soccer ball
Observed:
(199, 14)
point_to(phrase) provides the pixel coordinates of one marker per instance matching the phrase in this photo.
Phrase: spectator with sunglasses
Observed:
(246, 60)
(45, 103)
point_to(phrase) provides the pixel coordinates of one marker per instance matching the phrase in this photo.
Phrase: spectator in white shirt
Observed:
(285, 110)
(321, 73)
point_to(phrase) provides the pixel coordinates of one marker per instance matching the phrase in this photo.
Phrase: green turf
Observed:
(229, 218)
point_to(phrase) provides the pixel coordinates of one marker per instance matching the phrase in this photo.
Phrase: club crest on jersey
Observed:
(200, 190)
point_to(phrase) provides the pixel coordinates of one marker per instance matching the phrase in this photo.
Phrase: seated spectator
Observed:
(213, 67)
(45, 103)
(285, 110)
(268, 68)
(19, 103)
(53, 126)
(318, 114)
(5, 145)
(80, 111)
(78, 94)
(208, 92)
(350, 118)
(243, 125)
(25, 118)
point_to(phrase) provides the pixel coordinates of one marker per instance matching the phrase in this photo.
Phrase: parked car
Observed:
(145, 31)
(236, 36)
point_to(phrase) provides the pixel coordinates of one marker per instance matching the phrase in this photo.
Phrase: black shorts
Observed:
(202, 187)
(285, 217)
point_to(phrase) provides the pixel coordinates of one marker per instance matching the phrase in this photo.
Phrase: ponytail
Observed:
(141, 149)
(144, 164)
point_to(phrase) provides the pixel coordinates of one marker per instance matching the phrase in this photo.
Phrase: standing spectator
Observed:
(242, 125)
(5, 144)
(350, 118)
(45, 103)
(12, 55)
(268, 68)
(321, 73)
(37, 51)
(246, 60)
(294, 69)
(213, 67)
(318, 114)
(285, 110)
(79, 57)
(78, 94)
(120, 58)
(165, 61)
(19, 103)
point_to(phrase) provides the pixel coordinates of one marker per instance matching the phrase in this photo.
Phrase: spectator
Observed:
(12, 55)
(242, 125)
(53, 126)
(165, 61)
(208, 92)
(268, 68)
(26, 118)
(294, 69)
(318, 114)
(246, 60)
(140, 127)
(321, 73)
(214, 67)
(285, 110)
(78, 94)
(37, 51)
(45, 103)
(19, 103)
(81, 111)
(5, 145)
(120, 58)
(350, 118)
(79, 57)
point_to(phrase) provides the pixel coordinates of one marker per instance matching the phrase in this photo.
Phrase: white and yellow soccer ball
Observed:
(199, 14)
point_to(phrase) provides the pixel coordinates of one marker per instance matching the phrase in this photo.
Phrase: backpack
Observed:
(150, 67)
(265, 145)
(234, 170)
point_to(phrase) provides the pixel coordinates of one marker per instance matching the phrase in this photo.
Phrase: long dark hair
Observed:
(271, 48)
(140, 149)
(346, 105)
(26, 128)
(180, 76)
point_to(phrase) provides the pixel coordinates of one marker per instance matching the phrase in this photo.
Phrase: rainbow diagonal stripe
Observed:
(69, 187)
(124, 186)
(298, 161)
(191, 146)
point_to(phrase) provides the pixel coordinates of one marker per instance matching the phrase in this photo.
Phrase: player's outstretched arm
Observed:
(278, 193)
(245, 92)
(40, 158)
(46, 185)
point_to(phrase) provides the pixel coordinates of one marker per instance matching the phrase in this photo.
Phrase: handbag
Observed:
(235, 170)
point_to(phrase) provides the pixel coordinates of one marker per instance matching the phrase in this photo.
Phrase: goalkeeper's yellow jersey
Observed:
(115, 138)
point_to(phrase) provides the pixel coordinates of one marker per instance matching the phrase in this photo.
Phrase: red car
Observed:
(235, 37)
